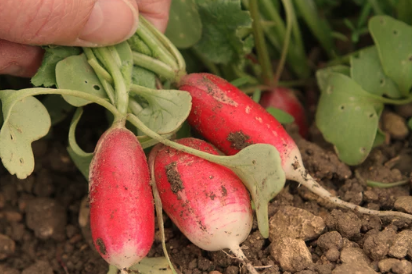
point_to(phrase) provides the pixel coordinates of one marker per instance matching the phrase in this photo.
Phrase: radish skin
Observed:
(231, 120)
(206, 201)
(121, 202)
(286, 100)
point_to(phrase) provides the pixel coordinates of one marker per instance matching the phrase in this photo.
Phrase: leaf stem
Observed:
(181, 64)
(157, 48)
(122, 93)
(289, 23)
(386, 185)
(262, 52)
(154, 65)
(310, 183)
(104, 77)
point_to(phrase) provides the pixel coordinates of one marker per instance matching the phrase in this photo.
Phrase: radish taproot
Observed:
(206, 201)
(231, 121)
(285, 99)
(121, 201)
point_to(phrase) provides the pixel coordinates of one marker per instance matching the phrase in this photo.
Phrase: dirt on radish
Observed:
(319, 237)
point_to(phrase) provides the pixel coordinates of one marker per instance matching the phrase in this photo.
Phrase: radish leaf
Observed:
(184, 28)
(143, 77)
(280, 115)
(393, 40)
(80, 158)
(348, 117)
(226, 35)
(45, 75)
(166, 110)
(367, 71)
(260, 168)
(25, 120)
(75, 73)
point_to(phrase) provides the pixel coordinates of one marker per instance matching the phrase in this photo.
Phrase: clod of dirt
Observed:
(292, 254)
(395, 125)
(47, 218)
(40, 267)
(332, 254)
(353, 268)
(351, 255)
(7, 246)
(2, 201)
(295, 223)
(395, 265)
(402, 245)
(321, 163)
(354, 260)
(330, 240)
(232, 270)
(376, 245)
(404, 203)
(6, 270)
(346, 223)
(404, 110)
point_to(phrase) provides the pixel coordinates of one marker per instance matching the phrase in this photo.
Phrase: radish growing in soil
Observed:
(207, 201)
(231, 120)
(121, 202)
(286, 100)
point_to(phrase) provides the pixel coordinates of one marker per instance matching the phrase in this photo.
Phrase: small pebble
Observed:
(404, 203)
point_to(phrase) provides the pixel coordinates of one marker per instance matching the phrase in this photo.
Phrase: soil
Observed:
(41, 231)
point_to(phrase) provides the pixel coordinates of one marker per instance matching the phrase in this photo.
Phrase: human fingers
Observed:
(68, 22)
(156, 11)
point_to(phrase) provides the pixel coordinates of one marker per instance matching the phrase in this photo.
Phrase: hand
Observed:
(26, 24)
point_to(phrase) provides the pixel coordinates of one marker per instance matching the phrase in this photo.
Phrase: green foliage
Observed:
(226, 32)
(184, 28)
(348, 117)
(166, 110)
(367, 71)
(80, 158)
(57, 107)
(280, 115)
(25, 120)
(75, 73)
(393, 40)
(45, 76)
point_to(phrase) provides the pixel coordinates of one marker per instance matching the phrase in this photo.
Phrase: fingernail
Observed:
(110, 22)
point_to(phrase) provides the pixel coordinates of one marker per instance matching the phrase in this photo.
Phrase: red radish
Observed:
(206, 201)
(231, 120)
(121, 201)
(286, 100)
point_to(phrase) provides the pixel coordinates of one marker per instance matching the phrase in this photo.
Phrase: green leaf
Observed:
(393, 39)
(156, 265)
(25, 120)
(46, 75)
(367, 71)
(166, 110)
(410, 123)
(143, 77)
(323, 75)
(280, 115)
(348, 117)
(260, 168)
(184, 28)
(57, 107)
(224, 23)
(80, 158)
(75, 73)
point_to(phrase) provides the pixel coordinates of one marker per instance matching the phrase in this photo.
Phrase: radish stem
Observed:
(305, 179)
(237, 251)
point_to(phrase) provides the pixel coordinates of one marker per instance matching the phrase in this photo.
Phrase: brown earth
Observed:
(40, 231)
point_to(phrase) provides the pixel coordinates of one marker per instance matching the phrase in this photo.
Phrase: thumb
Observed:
(68, 22)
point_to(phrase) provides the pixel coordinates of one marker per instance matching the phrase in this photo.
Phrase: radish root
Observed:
(241, 257)
(308, 181)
